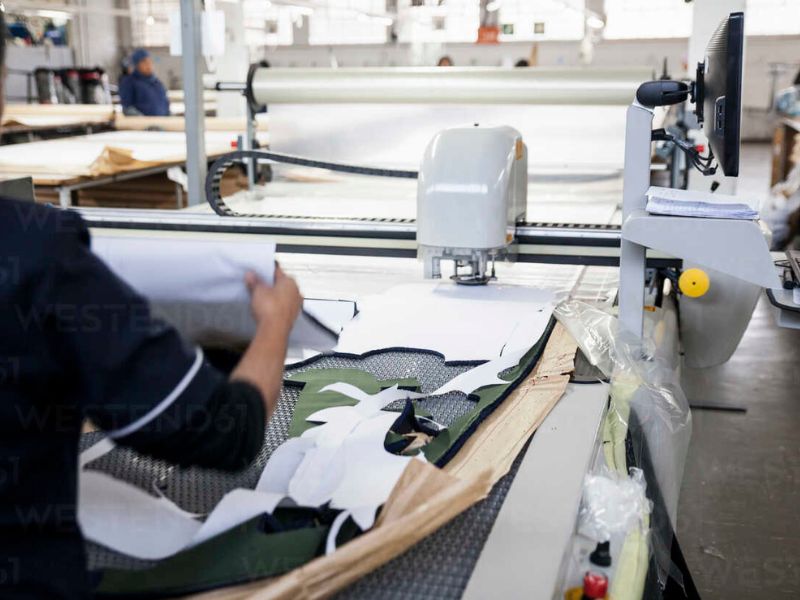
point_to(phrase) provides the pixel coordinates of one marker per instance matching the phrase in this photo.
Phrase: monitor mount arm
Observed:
(668, 92)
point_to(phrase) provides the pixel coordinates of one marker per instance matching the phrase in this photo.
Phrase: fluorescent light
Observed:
(299, 9)
(52, 14)
(595, 22)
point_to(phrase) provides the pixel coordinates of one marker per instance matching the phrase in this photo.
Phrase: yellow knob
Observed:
(694, 283)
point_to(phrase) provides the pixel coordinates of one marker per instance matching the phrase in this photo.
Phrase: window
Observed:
(450, 21)
(523, 20)
(267, 24)
(349, 22)
(772, 17)
(631, 19)
(150, 21)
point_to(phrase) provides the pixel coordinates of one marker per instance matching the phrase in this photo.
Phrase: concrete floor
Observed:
(739, 516)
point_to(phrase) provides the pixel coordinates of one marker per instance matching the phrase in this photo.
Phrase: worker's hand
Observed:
(278, 305)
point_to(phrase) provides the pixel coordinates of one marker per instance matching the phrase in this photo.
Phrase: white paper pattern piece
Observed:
(95, 451)
(463, 323)
(370, 472)
(123, 517)
(282, 464)
(483, 375)
(343, 460)
(333, 314)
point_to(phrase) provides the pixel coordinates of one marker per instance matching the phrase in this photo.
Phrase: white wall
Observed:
(28, 58)
(98, 38)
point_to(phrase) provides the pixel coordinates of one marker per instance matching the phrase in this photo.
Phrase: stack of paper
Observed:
(685, 203)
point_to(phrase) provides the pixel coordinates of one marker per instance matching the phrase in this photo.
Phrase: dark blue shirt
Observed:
(76, 342)
(145, 94)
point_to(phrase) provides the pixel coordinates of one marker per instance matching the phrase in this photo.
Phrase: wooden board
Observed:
(785, 149)
(107, 153)
(39, 116)
(70, 160)
(176, 123)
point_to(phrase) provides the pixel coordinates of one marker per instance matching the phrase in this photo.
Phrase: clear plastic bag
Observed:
(612, 504)
(646, 393)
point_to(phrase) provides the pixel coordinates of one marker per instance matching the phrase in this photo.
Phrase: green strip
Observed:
(242, 554)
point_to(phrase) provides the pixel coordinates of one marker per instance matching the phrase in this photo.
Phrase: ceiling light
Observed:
(595, 22)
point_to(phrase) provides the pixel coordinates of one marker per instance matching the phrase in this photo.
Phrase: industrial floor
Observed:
(739, 516)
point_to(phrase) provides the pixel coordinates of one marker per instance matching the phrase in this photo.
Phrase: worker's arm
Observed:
(127, 95)
(132, 111)
(136, 378)
(275, 310)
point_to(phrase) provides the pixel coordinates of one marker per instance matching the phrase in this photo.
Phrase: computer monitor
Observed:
(720, 92)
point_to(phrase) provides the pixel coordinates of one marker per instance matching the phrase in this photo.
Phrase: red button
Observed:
(595, 585)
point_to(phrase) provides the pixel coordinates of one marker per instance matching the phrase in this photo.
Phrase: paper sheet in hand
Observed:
(463, 323)
(686, 203)
(198, 286)
(177, 269)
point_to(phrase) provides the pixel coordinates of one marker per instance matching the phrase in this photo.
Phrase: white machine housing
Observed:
(472, 190)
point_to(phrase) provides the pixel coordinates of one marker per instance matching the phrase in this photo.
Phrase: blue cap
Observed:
(138, 56)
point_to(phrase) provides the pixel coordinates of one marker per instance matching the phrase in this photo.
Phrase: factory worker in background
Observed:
(141, 92)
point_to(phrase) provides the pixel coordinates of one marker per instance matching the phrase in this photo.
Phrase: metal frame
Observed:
(527, 550)
(194, 116)
(535, 242)
(633, 257)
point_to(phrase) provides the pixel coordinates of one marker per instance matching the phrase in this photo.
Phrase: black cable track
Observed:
(222, 164)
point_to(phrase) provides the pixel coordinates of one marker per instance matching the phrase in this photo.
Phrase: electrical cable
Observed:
(704, 164)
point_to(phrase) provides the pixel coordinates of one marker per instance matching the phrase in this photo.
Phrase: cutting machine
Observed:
(472, 191)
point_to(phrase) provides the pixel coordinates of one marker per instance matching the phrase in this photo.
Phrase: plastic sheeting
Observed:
(645, 381)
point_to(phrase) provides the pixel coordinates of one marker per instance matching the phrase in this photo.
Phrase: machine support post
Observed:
(250, 145)
(632, 260)
(192, 52)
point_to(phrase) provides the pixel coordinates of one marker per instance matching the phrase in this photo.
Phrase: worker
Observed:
(445, 61)
(522, 63)
(78, 343)
(142, 93)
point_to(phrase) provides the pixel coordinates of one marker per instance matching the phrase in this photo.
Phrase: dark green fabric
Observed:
(245, 553)
(312, 399)
(242, 554)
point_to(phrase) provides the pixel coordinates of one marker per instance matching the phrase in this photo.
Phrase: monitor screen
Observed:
(722, 92)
